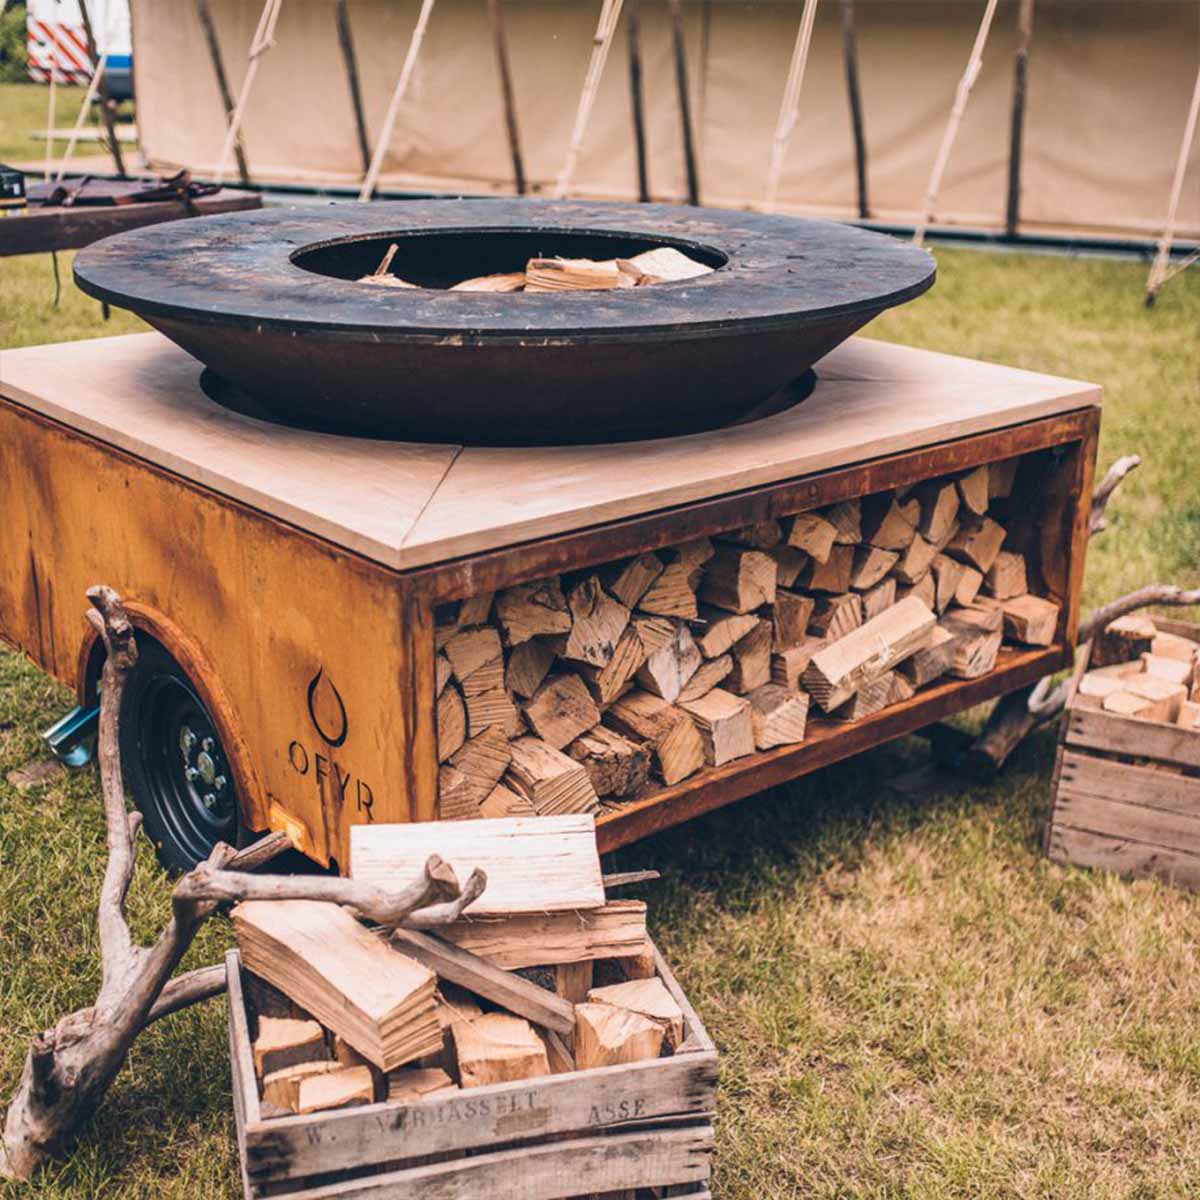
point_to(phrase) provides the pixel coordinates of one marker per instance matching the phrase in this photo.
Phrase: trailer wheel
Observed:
(173, 761)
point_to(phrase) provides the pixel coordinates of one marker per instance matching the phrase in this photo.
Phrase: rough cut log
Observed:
(978, 543)
(346, 1055)
(711, 672)
(597, 622)
(1148, 699)
(1095, 685)
(872, 697)
(470, 649)
(451, 723)
(283, 1042)
(870, 565)
(282, 1088)
(715, 630)
(832, 575)
(345, 1087)
(531, 609)
(1007, 577)
(789, 564)
(502, 801)
(630, 579)
(674, 740)
(751, 660)
(492, 708)
(1174, 670)
(528, 665)
(482, 762)
(475, 610)
(738, 580)
(977, 639)
(973, 490)
(901, 689)
(561, 710)
(457, 800)
(725, 725)
(841, 669)
(925, 590)
(442, 673)
(947, 576)
(763, 536)
(641, 636)
(606, 1036)
(1030, 620)
(648, 998)
(930, 662)
(1172, 645)
(939, 502)
(487, 678)
(548, 779)
(1001, 477)
(669, 667)
(571, 274)
(879, 598)
(615, 765)
(846, 518)
(637, 966)
(790, 616)
(411, 1084)
(813, 534)
(672, 594)
(1124, 640)
(788, 667)
(888, 523)
(1189, 715)
(916, 561)
(835, 616)
(778, 715)
(498, 1048)
(968, 586)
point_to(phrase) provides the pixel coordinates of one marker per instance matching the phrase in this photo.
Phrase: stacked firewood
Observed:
(603, 685)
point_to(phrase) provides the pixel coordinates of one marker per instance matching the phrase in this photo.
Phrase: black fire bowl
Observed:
(269, 302)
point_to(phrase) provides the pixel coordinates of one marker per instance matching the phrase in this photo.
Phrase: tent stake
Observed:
(850, 57)
(1020, 73)
(350, 59)
(214, 53)
(610, 14)
(1159, 270)
(393, 111)
(500, 41)
(965, 84)
(789, 108)
(685, 111)
(106, 101)
(634, 22)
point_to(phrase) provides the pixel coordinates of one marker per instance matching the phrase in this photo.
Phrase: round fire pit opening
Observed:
(270, 303)
(439, 258)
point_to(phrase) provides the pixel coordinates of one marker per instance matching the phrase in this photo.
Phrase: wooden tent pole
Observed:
(393, 110)
(350, 59)
(264, 39)
(637, 104)
(610, 14)
(685, 109)
(789, 108)
(106, 101)
(495, 11)
(965, 84)
(1016, 137)
(1159, 270)
(88, 97)
(50, 106)
(850, 58)
(214, 53)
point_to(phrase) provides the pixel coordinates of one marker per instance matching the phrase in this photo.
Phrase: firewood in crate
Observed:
(978, 543)
(738, 580)
(763, 536)
(1124, 640)
(725, 725)
(641, 636)
(716, 629)
(1189, 715)
(615, 765)
(790, 616)
(487, 678)
(550, 780)
(442, 672)
(1030, 620)
(597, 622)
(947, 574)
(788, 666)
(751, 660)
(846, 518)
(283, 1042)
(528, 665)
(531, 609)
(977, 636)
(871, 564)
(888, 523)
(843, 668)
(789, 563)
(1148, 699)
(925, 590)
(411, 1084)
(1094, 686)
(675, 744)
(778, 715)
(968, 586)
(916, 561)
(833, 575)
(561, 709)
(629, 580)
(668, 668)
(672, 594)
(930, 662)
(470, 650)
(879, 598)
(571, 274)
(648, 998)
(451, 617)
(345, 1055)
(498, 1048)
(1172, 645)
(451, 723)
(457, 799)
(1174, 670)
(482, 763)
(1007, 576)
(502, 801)
(939, 503)
(606, 1036)
(835, 616)
(492, 708)
(872, 697)
(813, 534)
(282, 1088)
(973, 490)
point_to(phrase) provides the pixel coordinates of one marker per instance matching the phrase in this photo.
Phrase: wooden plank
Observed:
(533, 864)
(1162, 791)
(1123, 856)
(1077, 809)
(694, 1031)
(245, 1085)
(1093, 729)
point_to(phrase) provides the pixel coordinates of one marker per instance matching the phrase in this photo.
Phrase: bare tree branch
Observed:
(1113, 478)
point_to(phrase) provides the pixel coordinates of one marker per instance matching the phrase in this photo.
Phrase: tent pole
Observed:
(633, 19)
(685, 110)
(264, 39)
(610, 14)
(965, 84)
(350, 59)
(850, 57)
(214, 53)
(50, 117)
(1015, 143)
(789, 108)
(1159, 271)
(500, 41)
(88, 97)
(106, 101)
(393, 111)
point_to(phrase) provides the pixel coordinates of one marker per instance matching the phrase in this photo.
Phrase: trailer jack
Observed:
(72, 740)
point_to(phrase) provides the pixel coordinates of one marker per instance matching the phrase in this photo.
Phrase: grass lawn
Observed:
(23, 108)
(909, 1000)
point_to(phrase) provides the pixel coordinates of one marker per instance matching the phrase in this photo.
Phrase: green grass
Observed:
(23, 108)
(909, 1000)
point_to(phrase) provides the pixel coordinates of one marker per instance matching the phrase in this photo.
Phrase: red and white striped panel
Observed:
(57, 48)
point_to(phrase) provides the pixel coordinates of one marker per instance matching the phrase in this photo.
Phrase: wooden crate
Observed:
(1127, 792)
(611, 1129)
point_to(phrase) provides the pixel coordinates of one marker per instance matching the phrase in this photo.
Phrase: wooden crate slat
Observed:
(693, 1027)
(1134, 822)
(1122, 856)
(1098, 730)
(1143, 787)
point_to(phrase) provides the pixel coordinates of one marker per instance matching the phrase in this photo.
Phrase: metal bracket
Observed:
(72, 740)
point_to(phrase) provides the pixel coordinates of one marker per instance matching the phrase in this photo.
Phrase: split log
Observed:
(674, 740)
(973, 490)
(716, 630)
(925, 590)
(669, 667)
(451, 723)
(498, 1048)
(344, 1087)
(528, 665)
(916, 561)
(725, 724)
(708, 675)
(788, 666)
(648, 998)
(738, 580)
(832, 575)
(789, 564)
(629, 580)
(481, 763)
(835, 616)
(411, 1084)
(641, 636)
(504, 802)
(1007, 577)
(763, 536)
(484, 679)
(561, 710)
(615, 765)
(846, 518)
(930, 662)
(888, 523)
(531, 609)
(947, 578)
(978, 543)
(597, 622)
(470, 649)
(751, 660)
(1172, 645)
(870, 565)
(939, 501)
(1147, 699)
(879, 598)
(442, 673)
(548, 779)
(1125, 640)
(872, 697)
(672, 594)
(492, 708)
(606, 1036)
(284, 1042)
(1174, 670)
(977, 638)
(1001, 477)
(790, 616)
(1030, 620)
(573, 981)
(778, 715)
(813, 534)
(968, 586)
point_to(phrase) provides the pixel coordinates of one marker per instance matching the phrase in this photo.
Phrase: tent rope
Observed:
(610, 14)
(393, 111)
(264, 39)
(965, 84)
(789, 107)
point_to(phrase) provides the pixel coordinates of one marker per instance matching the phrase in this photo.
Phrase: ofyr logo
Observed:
(327, 711)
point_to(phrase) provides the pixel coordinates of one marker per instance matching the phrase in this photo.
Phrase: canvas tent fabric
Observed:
(1109, 82)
